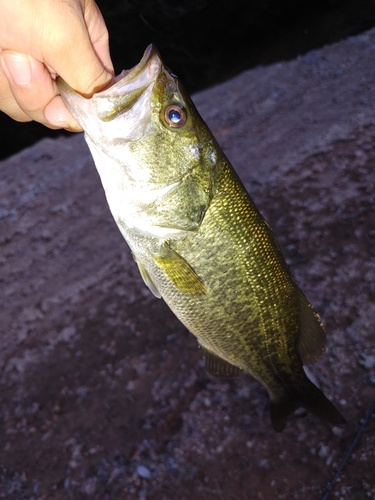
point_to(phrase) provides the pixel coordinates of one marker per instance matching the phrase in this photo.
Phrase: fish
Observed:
(198, 239)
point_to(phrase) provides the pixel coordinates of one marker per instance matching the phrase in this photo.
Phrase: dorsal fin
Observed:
(312, 339)
(218, 367)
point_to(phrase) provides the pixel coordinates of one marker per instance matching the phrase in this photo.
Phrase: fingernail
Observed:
(17, 68)
(59, 116)
(60, 121)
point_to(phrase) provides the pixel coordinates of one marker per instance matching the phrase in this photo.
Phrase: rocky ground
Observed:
(104, 394)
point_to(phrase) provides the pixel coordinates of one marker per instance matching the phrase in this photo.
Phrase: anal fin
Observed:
(218, 367)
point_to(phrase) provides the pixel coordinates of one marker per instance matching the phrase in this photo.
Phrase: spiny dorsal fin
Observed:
(312, 339)
(179, 271)
(218, 367)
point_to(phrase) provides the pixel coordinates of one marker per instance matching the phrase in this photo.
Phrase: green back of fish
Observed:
(229, 284)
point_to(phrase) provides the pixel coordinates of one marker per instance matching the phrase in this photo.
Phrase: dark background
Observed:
(208, 41)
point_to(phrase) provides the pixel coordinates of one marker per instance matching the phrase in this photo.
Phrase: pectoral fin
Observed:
(218, 367)
(179, 271)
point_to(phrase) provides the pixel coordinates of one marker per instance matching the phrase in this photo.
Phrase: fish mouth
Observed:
(120, 97)
(129, 76)
(125, 93)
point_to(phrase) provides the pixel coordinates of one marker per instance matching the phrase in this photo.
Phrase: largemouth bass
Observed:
(198, 238)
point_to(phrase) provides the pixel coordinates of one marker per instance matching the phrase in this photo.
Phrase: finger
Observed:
(99, 36)
(80, 51)
(8, 104)
(57, 113)
(33, 89)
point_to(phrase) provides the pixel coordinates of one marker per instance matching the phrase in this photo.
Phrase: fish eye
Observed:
(175, 116)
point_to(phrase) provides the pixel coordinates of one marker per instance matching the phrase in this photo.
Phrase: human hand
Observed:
(40, 39)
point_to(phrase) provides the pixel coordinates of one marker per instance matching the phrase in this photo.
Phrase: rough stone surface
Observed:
(104, 394)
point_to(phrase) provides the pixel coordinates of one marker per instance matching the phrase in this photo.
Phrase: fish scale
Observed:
(247, 301)
(198, 239)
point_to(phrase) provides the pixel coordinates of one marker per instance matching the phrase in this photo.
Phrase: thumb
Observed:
(80, 49)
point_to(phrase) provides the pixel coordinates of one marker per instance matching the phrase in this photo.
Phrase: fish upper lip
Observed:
(138, 68)
(122, 96)
(118, 97)
(128, 78)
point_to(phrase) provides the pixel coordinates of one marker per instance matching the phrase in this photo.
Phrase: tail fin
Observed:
(310, 398)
